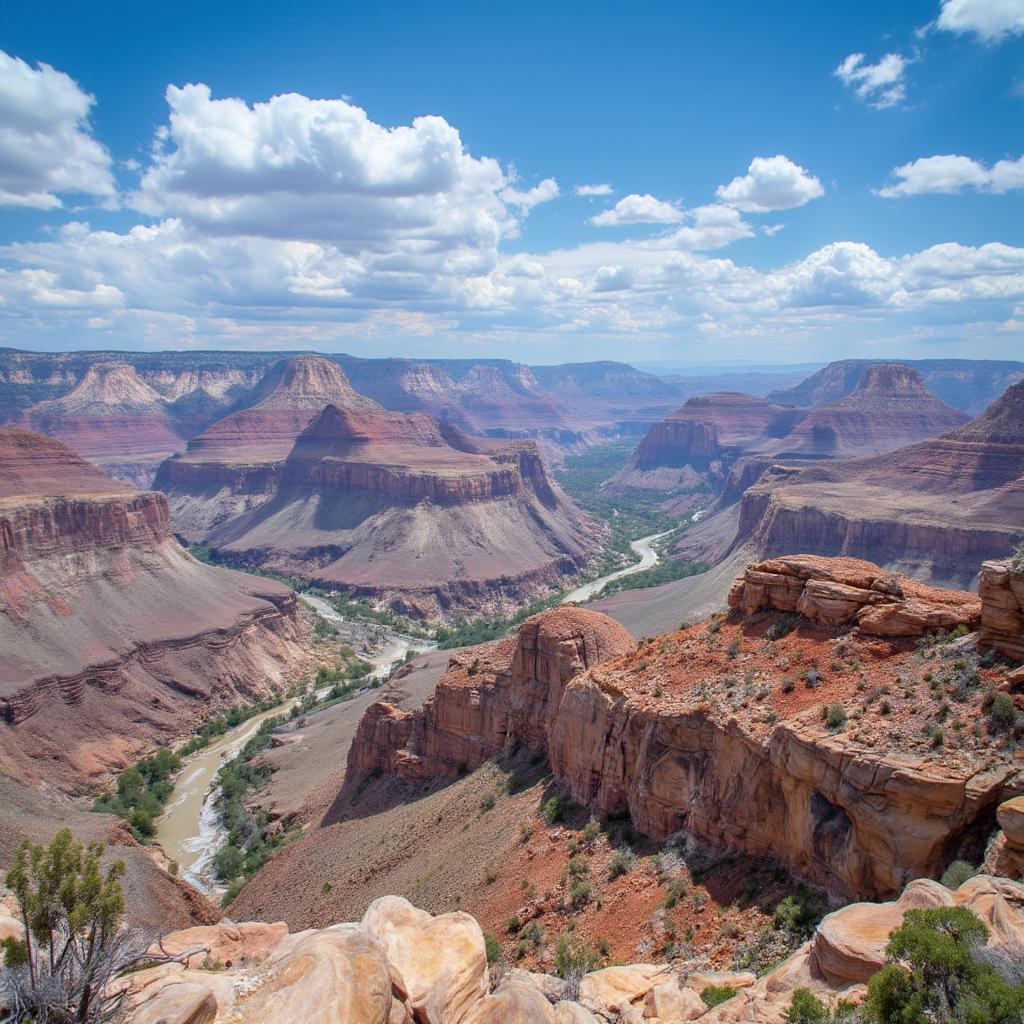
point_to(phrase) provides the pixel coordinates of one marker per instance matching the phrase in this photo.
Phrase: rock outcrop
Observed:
(1001, 590)
(966, 384)
(234, 464)
(842, 591)
(669, 735)
(400, 965)
(113, 640)
(935, 509)
(491, 698)
(410, 510)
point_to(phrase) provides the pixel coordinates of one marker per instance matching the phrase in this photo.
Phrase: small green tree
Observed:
(933, 974)
(74, 942)
(1017, 558)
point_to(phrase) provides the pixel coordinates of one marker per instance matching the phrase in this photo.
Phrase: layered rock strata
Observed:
(234, 464)
(113, 640)
(664, 734)
(699, 442)
(847, 591)
(889, 408)
(412, 511)
(114, 419)
(936, 509)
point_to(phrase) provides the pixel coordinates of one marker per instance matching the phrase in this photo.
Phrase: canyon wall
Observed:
(113, 640)
(860, 819)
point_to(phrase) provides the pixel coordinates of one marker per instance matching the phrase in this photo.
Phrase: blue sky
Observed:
(752, 209)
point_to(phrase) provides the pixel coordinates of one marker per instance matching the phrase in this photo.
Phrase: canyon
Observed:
(722, 443)
(114, 642)
(412, 511)
(936, 509)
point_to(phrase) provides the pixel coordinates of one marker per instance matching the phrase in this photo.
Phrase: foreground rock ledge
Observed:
(399, 965)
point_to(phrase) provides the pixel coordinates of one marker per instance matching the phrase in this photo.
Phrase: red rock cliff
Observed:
(112, 638)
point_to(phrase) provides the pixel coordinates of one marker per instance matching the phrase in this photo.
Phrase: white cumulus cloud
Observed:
(321, 170)
(638, 209)
(771, 183)
(46, 144)
(528, 199)
(990, 20)
(879, 85)
(952, 173)
(602, 189)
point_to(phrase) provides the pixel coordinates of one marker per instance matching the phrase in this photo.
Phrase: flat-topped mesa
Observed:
(112, 417)
(889, 408)
(113, 640)
(937, 509)
(1001, 589)
(848, 591)
(700, 441)
(490, 698)
(234, 464)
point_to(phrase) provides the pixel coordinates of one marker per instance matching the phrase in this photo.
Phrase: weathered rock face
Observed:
(112, 638)
(491, 698)
(860, 819)
(936, 509)
(405, 508)
(1001, 589)
(234, 464)
(840, 591)
(699, 442)
(889, 408)
(113, 418)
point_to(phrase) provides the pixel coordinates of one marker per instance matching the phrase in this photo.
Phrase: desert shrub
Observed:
(783, 627)
(675, 892)
(957, 873)
(621, 863)
(813, 678)
(573, 959)
(797, 914)
(715, 994)
(834, 715)
(493, 947)
(1004, 711)
(578, 867)
(555, 809)
(514, 924)
(581, 891)
(591, 831)
(788, 684)
(487, 803)
(1017, 559)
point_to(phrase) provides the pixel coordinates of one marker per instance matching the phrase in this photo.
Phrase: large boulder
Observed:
(513, 1002)
(849, 945)
(616, 989)
(441, 962)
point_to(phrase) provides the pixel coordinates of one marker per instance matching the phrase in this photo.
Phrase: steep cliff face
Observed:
(672, 735)
(890, 407)
(234, 464)
(113, 418)
(936, 509)
(1001, 590)
(113, 639)
(701, 441)
(403, 507)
